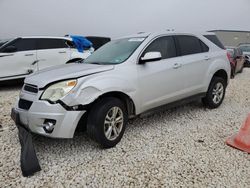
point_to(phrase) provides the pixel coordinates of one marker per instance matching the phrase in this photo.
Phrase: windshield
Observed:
(245, 48)
(3, 41)
(115, 52)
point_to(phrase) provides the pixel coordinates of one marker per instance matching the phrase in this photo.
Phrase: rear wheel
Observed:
(107, 121)
(215, 94)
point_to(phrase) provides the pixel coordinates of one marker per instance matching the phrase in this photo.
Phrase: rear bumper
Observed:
(41, 111)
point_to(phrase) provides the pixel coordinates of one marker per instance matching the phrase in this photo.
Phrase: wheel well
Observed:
(222, 74)
(73, 60)
(127, 101)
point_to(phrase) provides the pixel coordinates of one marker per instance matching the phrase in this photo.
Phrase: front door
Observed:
(20, 61)
(160, 82)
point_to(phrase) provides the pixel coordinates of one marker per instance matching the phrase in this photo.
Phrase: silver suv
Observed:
(122, 79)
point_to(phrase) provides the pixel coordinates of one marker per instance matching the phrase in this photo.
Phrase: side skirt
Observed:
(173, 104)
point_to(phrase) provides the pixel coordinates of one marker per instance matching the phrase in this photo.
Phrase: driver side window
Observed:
(164, 45)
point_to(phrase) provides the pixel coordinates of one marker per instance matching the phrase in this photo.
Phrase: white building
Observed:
(233, 37)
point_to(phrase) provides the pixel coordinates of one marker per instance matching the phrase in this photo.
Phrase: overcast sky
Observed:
(115, 18)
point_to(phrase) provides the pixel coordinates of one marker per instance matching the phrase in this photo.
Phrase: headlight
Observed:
(58, 90)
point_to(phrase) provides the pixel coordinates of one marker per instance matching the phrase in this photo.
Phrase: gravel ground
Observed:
(181, 147)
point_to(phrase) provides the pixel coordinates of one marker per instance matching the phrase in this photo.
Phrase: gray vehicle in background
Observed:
(245, 47)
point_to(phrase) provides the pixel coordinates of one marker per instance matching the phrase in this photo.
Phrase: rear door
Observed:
(20, 62)
(195, 61)
(51, 52)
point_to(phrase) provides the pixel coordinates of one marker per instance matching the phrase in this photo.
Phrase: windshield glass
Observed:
(245, 48)
(3, 41)
(115, 52)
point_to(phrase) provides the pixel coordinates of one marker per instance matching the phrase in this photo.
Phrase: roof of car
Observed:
(46, 37)
(168, 32)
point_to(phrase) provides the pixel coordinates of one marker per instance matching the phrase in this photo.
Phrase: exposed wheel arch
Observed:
(221, 74)
(128, 102)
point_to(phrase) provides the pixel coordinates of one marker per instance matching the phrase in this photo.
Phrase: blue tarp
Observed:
(81, 42)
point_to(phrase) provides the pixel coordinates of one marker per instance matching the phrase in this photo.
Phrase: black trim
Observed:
(175, 103)
(24, 104)
(30, 88)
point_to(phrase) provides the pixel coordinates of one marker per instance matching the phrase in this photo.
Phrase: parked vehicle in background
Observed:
(98, 41)
(24, 55)
(237, 60)
(122, 79)
(3, 41)
(245, 47)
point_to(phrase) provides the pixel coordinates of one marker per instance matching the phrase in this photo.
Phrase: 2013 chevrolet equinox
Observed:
(122, 79)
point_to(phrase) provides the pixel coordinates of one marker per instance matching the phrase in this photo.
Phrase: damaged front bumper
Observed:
(51, 120)
(29, 161)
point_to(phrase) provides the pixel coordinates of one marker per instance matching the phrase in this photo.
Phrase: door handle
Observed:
(29, 54)
(207, 58)
(62, 52)
(177, 65)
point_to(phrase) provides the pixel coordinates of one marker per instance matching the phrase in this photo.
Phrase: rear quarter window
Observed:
(214, 39)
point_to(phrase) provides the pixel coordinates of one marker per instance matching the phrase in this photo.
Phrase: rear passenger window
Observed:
(214, 39)
(24, 44)
(164, 45)
(51, 44)
(189, 45)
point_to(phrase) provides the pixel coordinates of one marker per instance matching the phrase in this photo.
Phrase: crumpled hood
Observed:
(62, 72)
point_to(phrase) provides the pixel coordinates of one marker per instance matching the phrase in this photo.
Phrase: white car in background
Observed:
(22, 56)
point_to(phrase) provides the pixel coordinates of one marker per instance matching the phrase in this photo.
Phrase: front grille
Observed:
(24, 104)
(31, 88)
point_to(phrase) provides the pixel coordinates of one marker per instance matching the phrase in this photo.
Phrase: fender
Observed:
(91, 89)
(215, 66)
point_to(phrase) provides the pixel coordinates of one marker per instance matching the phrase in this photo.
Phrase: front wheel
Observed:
(107, 121)
(215, 94)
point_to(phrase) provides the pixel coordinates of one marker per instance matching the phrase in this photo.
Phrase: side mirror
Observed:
(150, 56)
(247, 57)
(10, 49)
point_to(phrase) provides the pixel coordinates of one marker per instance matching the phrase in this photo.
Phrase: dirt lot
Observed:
(183, 146)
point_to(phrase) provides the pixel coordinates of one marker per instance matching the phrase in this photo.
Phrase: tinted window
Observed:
(98, 41)
(204, 47)
(51, 44)
(164, 45)
(215, 40)
(70, 44)
(24, 44)
(189, 45)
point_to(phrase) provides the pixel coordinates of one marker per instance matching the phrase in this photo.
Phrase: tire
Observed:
(104, 111)
(216, 88)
